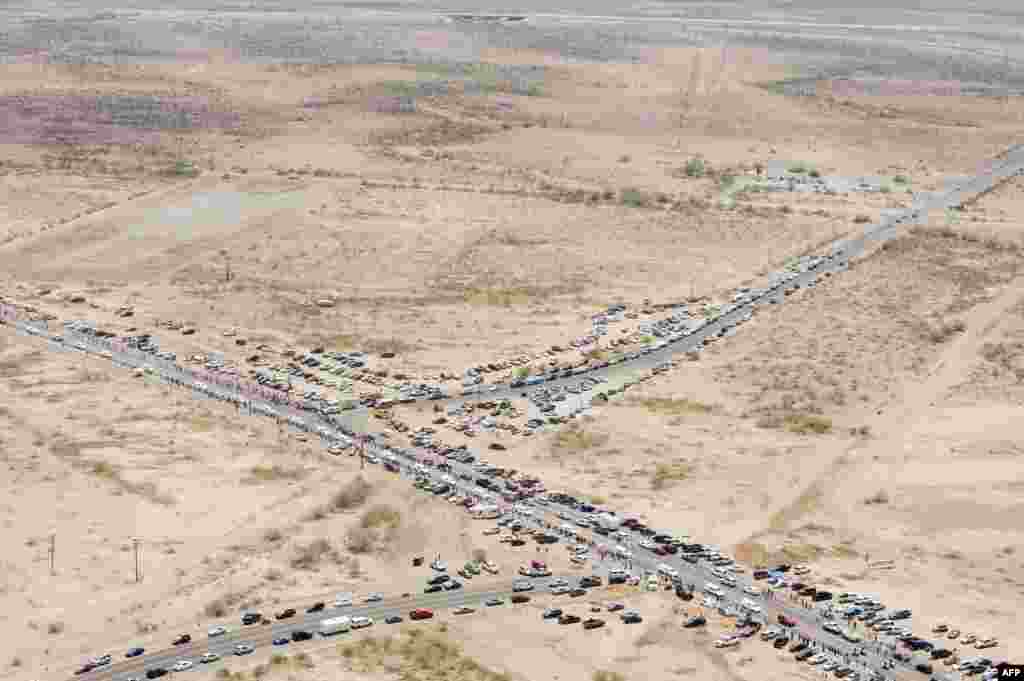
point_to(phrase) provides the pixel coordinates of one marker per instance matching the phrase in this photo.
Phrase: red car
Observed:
(787, 621)
(421, 614)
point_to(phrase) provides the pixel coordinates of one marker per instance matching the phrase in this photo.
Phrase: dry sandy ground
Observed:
(447, 277)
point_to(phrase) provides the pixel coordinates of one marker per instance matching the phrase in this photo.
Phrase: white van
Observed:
(666, 571)
(335, 625)
(712, 589)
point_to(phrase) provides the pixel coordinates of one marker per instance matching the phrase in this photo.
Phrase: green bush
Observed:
(634, 198)
(695, 168)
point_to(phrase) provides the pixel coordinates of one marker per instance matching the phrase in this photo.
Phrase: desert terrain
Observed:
(449, 217)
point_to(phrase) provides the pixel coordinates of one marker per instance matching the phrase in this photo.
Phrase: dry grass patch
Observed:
(418, 655)
(381, 516)
(675, 407)
(799, 423)
(503, 297)
(940, 332)
(666, 474)
(604, 675)
(262, 473)
(108, 471)
(577, 438)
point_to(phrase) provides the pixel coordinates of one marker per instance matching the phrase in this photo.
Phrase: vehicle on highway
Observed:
(522, 585)
(213, 632)
(209, 657)
(182, 640)
(781, 641)
(335, 625)
(433, 589)
(452, 585)
(576, 593)
(491, 602)
(316, 607)
(631, 617)
(182, 665)
(155, 672)
(373, 598)
(243, 649)
(281, 641)
(615, 607)
(301, 635)
(393, 619)
(251, 618)
(135, 652)
(343, 601)
(552, 613)
(695, 621)
(463, 610)
(421, 614)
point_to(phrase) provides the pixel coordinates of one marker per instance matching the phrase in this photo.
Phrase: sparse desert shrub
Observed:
(277, 659)
(15, 661)
(55, 628)
(885, 189)
(943, 331)
(861, 219)
(521, 372)
(273, 575)
(361, 540)
(381, 515)
(625, 158)
(310, 555)
(901, 179)
(273, 535)
(216, 608)
(262, 473)
(814, 173)
(799, 168)
(103, 469)
(352, 495)
(665, 474)
(879, 497)
(479, 555)
(695, 167)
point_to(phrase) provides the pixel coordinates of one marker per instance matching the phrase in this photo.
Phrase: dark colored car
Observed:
(923, 667)
(182, 640)
(155, 672)
(632, 618)
(797, 647)
(780, 642)
(281, 641)
(568, 619)
(940, 653)
(803, 655)
(520, 598)
(433, 589)
(85, 669)
(590, 581)
(593, 623)
(823, 596)
(760, 574)
(421, 614)
(696, 621)
(552, 613)
(575, 593)
(301, 635)
(285, 614)
(135, 652)
(316, 607)
(251, 618)
(393, 619)
(452, 585)
(440, 579)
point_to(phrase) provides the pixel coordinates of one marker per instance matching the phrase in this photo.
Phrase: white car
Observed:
(343, 601)
(209, 657)
(560, 581)
(243, 649)
(560, 589)
(182, 665)
(359, 622)
(751, 591)
(491, 531)
(727, 642)
(374, 597)
(217, 631)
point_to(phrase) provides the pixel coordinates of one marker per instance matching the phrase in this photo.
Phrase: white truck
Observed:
(335, 625)
(609, 521)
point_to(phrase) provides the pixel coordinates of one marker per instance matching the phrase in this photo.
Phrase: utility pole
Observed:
(53, 551)
(138, 572)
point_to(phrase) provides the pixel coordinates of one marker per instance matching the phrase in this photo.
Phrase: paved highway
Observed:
(1012, 163)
